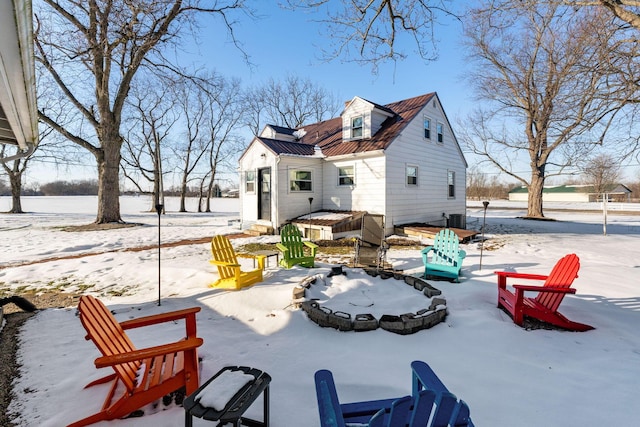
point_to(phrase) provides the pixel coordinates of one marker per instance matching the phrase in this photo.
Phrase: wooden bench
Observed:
(140, 376)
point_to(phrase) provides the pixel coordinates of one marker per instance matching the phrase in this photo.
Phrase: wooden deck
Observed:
(429, 232)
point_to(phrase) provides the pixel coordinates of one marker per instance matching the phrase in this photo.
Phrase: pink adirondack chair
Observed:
(545, 306)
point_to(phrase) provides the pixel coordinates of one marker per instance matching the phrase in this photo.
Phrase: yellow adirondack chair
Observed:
(293, 248)
(226, 259)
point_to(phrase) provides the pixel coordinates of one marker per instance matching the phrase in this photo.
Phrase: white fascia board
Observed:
(17, 71)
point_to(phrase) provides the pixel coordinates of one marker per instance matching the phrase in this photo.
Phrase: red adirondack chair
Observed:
(545, 306)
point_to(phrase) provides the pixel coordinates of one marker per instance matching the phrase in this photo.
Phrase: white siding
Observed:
(252, 160)
(357, 108)
(428, 201)
(292, 204)
(368, 192)
(372, 118)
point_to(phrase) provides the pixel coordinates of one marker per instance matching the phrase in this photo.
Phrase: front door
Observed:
(264, 200)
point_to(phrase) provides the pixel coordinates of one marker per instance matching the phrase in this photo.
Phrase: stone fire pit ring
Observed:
(403, 324)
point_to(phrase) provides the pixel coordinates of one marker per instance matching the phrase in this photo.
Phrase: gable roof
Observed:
(328, 134)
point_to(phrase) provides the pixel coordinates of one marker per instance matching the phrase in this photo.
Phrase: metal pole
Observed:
(310, 201)
(605, 200)
(484, 221)
(159, 208)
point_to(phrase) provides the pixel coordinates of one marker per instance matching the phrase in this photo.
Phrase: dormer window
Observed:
(356, 127)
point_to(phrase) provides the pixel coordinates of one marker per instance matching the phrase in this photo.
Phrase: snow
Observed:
(509, 376)
(220, 391)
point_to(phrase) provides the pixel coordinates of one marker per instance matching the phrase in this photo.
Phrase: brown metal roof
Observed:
(286, 147)
(328, 134)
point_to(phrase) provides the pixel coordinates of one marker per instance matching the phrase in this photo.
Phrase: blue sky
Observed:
(282, 42)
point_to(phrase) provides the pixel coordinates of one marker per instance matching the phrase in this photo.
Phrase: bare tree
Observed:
(372, 31)
(548, 76)
(192, 145)
(93, 50)
(224, 113)
(291, 102)
(152, 119)
(14, 170)
(602, 172)
(625, 10)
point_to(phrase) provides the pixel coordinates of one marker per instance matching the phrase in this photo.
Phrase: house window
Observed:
(412, 175)
(427, 128)
(440, 132)
(250, 181)
(300, 180)
(451, 184)
(346, 175)
(356, 127)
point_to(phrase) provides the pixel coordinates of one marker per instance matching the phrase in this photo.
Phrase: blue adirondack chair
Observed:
(429, 396)
(444, 257)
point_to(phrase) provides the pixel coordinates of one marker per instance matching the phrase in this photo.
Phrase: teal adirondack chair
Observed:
(294, 250)
(446, 256)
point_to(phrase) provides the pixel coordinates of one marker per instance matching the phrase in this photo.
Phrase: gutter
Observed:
(31, 147)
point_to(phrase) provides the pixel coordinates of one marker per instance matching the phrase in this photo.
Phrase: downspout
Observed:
(276, 184)
(31, 147)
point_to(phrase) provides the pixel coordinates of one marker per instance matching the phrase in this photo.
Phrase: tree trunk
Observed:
(16, 188)
(534, 204)
(108, 159)
(183, 194)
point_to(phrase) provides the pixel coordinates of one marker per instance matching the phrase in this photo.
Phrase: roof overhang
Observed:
(18, 113)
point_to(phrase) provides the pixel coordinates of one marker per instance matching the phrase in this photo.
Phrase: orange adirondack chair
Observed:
(226, 259)
(140, 376)
(545, 306)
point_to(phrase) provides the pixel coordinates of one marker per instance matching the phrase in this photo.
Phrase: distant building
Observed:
(574, 193)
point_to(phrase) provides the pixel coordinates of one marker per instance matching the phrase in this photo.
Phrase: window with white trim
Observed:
(356, 127)
(346, 175)
(440, 132)
(451, 184)
(300, 180)
(249, 181)
(412, 175)
(427, 127)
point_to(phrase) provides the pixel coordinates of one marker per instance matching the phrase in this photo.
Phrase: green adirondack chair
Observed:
(445, 258)
(294, 250)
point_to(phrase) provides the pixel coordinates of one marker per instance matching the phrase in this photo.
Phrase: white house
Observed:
(18, 114)
(400, 160)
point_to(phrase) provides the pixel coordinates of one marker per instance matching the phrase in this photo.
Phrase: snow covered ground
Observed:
(509, 376)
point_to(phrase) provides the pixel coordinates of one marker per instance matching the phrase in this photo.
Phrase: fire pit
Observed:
(358, 299)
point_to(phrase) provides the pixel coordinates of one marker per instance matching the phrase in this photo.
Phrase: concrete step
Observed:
(263, 229)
